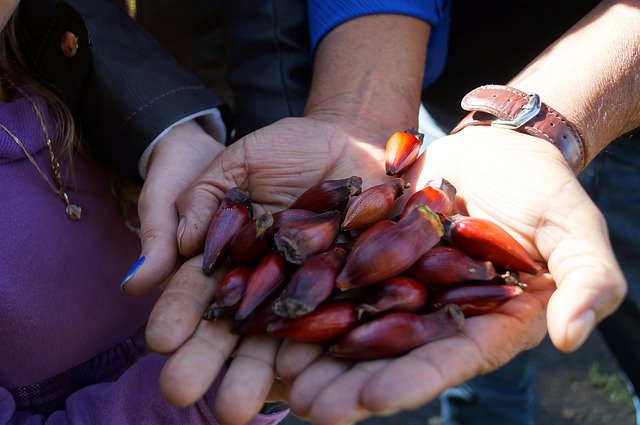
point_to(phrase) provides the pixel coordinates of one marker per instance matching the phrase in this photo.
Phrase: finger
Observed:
(197, 205)
(189, 373)
(589, 290)
(249, 378)
(590, 282)
(343, 394)
(485, 343)
(293, 357)
(418, 377)
(158, 224)
(311, 382)
(180, 307)
(176, 162)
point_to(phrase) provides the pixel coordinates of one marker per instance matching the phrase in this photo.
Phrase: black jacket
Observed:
(123, 88)
(260, 48)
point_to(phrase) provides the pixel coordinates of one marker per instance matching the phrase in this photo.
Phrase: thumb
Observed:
(159, 247)
(175, 163)
(197, 205)
(590, 283)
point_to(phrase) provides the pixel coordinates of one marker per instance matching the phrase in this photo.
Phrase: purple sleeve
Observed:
(325, 15)
(134, 398)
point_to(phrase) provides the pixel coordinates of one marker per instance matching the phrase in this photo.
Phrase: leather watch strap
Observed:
(507, 107)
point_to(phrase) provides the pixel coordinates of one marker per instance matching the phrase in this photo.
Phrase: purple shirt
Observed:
(63, 319)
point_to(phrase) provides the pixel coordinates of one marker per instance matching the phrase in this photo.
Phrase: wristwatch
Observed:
(507, 107)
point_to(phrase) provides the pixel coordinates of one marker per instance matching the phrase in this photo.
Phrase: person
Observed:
(265, 52)
(590, 284)
(249, 362)
(508, 395)
(72, 346)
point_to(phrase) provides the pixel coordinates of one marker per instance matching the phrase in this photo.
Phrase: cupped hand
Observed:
(177, 160)
(203, 351)
(523, 184)
(275, 165)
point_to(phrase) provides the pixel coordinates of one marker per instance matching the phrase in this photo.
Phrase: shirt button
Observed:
(69, 44)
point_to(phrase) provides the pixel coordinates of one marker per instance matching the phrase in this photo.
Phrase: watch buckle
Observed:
(527, 112)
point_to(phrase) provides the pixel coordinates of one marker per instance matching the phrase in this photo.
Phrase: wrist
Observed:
(187, 132)
(575, 111)
(368, 73)
(589, 76)
(361, 122)
(510, 108)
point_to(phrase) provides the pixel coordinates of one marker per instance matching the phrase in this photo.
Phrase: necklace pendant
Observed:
(74, 212)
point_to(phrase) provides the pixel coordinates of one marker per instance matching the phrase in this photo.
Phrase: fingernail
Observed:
(579, 329)
(181, 226)
(132, 271)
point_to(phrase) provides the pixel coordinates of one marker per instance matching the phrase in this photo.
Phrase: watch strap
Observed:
(508, 107)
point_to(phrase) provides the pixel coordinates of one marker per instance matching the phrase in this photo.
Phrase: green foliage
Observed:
(610, 383)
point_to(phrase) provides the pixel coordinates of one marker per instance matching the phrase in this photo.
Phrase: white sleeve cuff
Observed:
(209, 119)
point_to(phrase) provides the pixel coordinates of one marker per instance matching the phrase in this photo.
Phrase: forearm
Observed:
(591, 75)
(369, 72)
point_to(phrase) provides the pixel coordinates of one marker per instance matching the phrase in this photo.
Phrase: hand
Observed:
(275, 165)
(325, 390)
(523, 184)
(177, 160)
(201, 350)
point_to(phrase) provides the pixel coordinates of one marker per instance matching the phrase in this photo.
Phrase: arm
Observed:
(320, 146)
(591, 77)
(326, 16)
(361, 93)
(596, 85)
(524, 184)
(377, 93)
(591, 74)
(133, 398)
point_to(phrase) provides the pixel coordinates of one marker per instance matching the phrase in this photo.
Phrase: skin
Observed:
(533, 195)
(275, 154)
(7, 7)
(518, 181)
(177, 160)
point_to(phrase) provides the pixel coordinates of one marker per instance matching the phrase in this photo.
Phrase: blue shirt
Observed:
(324, 15)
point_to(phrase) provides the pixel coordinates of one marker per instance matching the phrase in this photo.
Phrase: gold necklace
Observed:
(74, 212)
